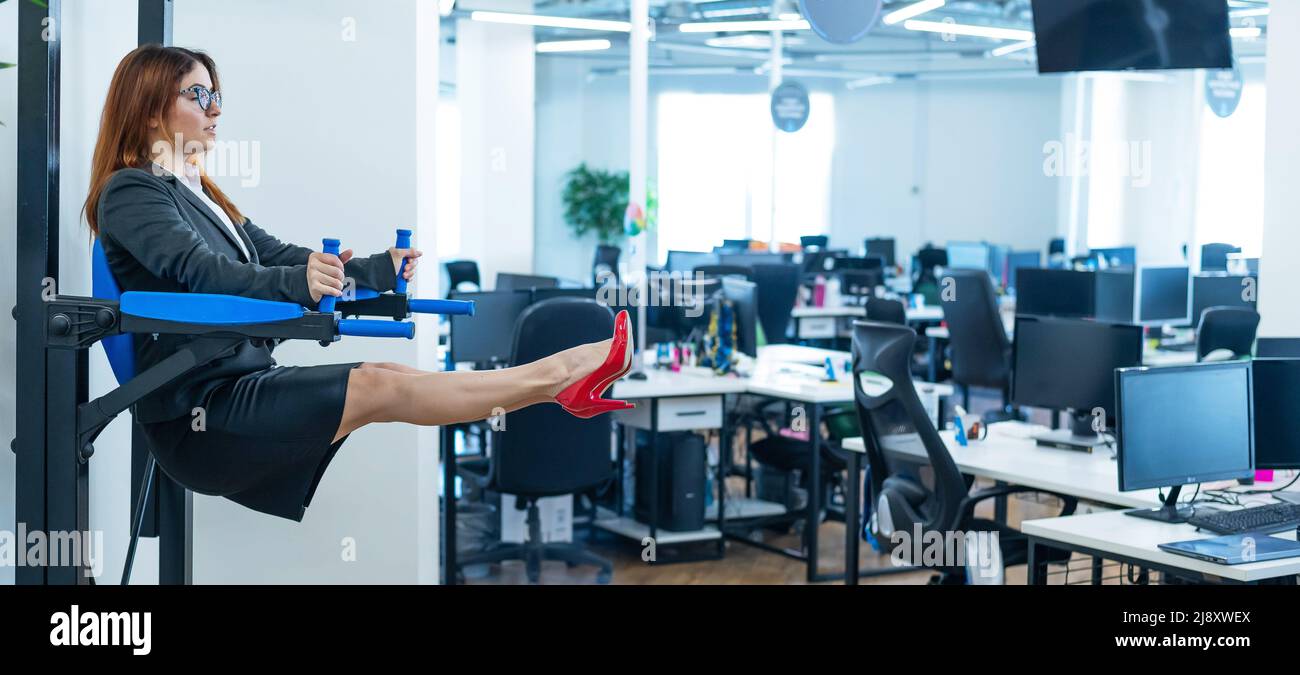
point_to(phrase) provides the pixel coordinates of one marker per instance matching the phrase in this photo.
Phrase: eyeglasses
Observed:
(204, 96)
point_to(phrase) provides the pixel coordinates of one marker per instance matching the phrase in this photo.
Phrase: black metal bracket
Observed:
(387, 304)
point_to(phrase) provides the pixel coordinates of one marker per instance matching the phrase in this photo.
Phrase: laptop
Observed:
(1235, 549)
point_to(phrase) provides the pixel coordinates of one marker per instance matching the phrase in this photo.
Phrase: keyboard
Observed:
(1178, 347)
(1267, 518)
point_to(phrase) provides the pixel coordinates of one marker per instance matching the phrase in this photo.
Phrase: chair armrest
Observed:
(968, 504)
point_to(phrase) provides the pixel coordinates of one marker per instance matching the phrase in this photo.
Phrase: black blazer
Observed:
(158, 235)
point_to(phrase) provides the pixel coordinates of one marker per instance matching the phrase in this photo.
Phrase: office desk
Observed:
(1115, 536)
(1010, 456)
(668, 401)
(828, 323)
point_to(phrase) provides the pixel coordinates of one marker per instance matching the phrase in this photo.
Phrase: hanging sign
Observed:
(790, 106)
(1223, 90)
(841, 22)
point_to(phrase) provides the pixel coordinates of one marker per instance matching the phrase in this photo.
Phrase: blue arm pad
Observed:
(461, 307)
(326, 305)
(403, 241)
(206, 309)
(373, 328)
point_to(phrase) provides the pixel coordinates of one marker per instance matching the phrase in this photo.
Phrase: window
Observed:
(716, 159)
(1230, 194)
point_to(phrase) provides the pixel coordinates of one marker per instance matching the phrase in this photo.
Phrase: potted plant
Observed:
(595, 201)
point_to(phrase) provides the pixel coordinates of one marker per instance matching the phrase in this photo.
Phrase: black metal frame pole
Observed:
(169, 509)
(37, 255)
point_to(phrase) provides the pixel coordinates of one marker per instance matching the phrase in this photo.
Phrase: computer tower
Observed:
(681, 476)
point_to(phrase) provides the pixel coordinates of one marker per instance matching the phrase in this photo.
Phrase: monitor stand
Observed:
(1079, 436)
(1169, 513)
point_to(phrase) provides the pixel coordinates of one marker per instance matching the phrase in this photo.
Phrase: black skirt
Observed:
(262, 440)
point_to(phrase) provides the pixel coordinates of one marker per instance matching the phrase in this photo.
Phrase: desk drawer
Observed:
(818, 327)
(681, 413)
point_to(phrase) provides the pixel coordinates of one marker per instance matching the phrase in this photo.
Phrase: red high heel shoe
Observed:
(583, 398)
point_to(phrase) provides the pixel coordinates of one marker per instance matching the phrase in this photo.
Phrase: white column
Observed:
(639, 83)
(495, 92)
(1279, 275)
(775, 75)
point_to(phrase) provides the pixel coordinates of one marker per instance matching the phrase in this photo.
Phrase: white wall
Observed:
(1279, 275)
(8, 260)
(973, 151)
(339, 138)
(946, 160)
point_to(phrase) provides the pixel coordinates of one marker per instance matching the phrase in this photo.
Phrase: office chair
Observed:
(886, 311)
(924, 279)
(778, 287)
(1214, 257)
(543, 451)
(1056, 247)
(605, 264)
(462, 272)
(895, 417)
(981, 352)
(1230, 328)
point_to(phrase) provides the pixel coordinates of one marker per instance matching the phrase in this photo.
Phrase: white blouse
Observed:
(191, 180)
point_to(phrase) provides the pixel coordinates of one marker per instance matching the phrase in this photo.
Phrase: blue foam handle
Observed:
(360, 293)
(459, 307)
(330, 246)
(403, 241)
(374, 328)
(207, 309)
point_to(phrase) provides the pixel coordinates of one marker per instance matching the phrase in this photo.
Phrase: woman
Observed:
(268, 431)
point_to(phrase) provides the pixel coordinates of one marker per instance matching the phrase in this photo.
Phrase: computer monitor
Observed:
(1220, 290)
(1116, 292)
(1183, 424)
(1049, 292)
(1119, 256)
(1069, 364)
(1275, 347)
(744, 297)
(999, 256)
(821, 262)
(686, 261)
(488, 337)
(819, 241)
(1021, 259)
(884, 248)
(867, 263)
(734, 245)
(753, 258)
(507, 281)
(1163, 295)
(1277, 426)
(969, 256)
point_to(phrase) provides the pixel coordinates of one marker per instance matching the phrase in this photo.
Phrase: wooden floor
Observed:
(747, 565)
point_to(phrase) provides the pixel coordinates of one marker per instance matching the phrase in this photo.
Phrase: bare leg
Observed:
(386, 392)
